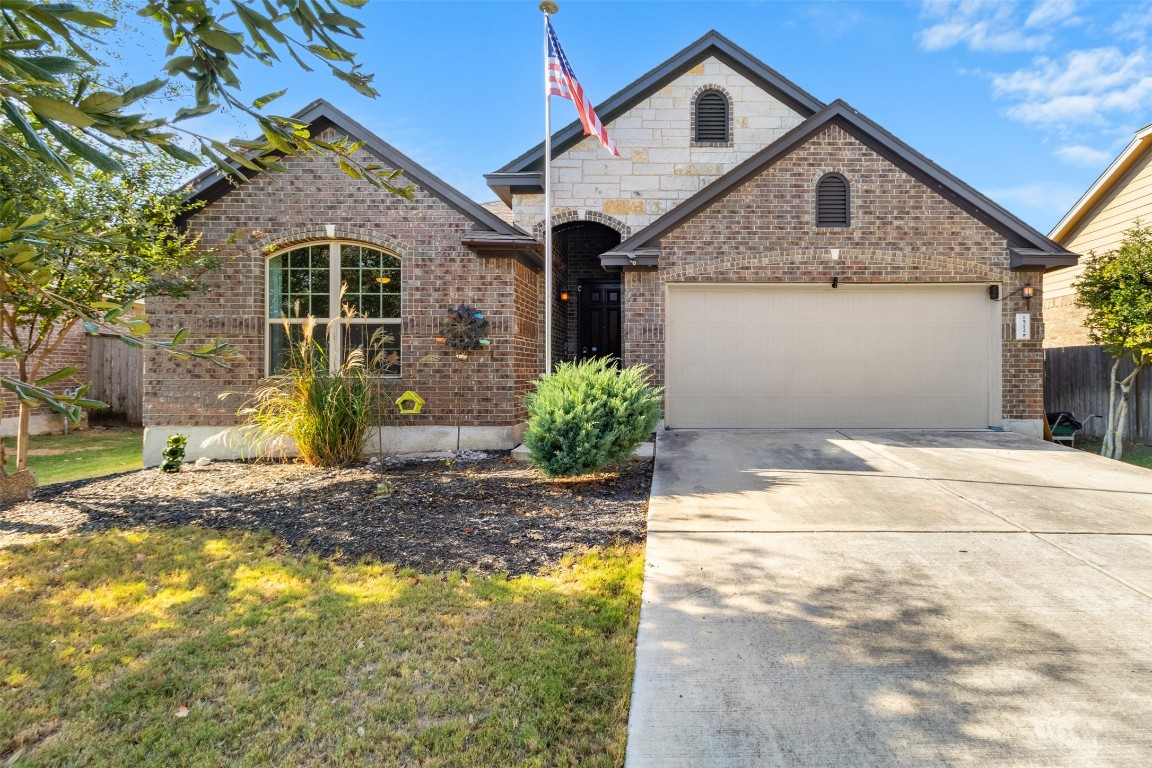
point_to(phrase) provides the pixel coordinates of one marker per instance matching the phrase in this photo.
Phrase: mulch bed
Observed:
(489, 514)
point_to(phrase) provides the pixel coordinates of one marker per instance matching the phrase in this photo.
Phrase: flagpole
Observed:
(548, 7)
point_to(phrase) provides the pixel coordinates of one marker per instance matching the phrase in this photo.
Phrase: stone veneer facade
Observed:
(902, 232)
(314, 201)
(660, 166)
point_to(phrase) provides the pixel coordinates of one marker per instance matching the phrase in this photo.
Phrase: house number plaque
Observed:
(1023, 325)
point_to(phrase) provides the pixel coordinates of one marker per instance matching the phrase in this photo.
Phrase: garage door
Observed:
(772, 355)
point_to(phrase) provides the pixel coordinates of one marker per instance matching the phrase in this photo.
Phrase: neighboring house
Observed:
(1078, 373)
(71, 353)
(1112, 205)
(777, 261)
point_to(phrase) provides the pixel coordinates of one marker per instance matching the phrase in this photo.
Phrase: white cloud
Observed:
(1135, 23)
(1050, 12)
(1085, 157)
(1080, 88)
(986, 25)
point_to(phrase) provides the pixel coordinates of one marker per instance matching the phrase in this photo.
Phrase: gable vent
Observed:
(712, 117)
(832, 201)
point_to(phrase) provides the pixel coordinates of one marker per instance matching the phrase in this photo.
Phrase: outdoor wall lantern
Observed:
(563, 295)
(1026, 292)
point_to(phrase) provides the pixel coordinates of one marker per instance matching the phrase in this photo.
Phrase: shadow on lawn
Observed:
(181, 646)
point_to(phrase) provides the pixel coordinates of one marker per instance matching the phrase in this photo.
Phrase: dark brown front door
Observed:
(599, 319)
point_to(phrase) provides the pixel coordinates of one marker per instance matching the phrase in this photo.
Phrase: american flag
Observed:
(562, 82)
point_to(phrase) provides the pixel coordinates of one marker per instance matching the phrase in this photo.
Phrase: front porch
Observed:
(588, 298)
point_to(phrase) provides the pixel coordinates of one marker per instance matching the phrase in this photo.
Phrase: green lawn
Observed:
(86, 453)
(1140, 455)
(194, 647)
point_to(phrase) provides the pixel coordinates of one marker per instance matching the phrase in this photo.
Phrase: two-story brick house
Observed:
(777, 261)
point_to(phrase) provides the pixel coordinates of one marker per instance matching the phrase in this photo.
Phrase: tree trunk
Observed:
(1106, 448)
(1122, 416)
(22, 438)
(22, 427)
(18, 486)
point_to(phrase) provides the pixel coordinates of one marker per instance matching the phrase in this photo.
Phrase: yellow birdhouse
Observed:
(410, 402)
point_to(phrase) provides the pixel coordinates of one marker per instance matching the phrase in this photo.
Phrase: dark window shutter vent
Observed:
(832, 202)
(712, 117)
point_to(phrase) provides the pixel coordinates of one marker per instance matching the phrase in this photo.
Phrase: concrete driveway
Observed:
(888, 598)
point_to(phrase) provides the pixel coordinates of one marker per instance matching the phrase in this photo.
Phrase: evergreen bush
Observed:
(587, 415)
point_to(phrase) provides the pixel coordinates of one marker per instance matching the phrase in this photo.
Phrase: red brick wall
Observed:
(275, 211)
(528, 355)
(902, 232)
(73, 351)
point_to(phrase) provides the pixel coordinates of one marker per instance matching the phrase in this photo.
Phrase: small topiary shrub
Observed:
(173, 453)
(588, 415)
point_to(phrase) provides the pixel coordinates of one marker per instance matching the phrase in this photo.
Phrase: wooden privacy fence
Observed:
(1076, 380)
(116, 372)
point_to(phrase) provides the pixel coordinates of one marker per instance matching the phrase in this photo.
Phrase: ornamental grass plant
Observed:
(325, 410)
(588, 415)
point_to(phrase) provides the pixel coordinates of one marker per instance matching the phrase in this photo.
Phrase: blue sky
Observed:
(1028, 102)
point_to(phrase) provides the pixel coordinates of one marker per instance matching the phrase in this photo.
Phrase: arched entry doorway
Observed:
(588, 324)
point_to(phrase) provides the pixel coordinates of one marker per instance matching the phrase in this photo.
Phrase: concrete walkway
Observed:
(863, 598)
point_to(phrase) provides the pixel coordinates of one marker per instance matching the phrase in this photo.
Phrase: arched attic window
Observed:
(713, 123)
(307, 281)
(832, 201)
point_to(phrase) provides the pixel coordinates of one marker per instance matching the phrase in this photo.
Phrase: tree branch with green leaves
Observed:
(84, 255)
(66, 121)
(1116, 290)
(49, 84)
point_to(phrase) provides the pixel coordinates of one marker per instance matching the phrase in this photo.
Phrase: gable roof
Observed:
(1029, 248)
(320, 115)
(525, 171)
(1141, 144)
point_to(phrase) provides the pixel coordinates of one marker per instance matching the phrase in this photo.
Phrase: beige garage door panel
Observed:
(814, 356)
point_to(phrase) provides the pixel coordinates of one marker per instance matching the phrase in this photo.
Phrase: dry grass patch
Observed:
(186, 646)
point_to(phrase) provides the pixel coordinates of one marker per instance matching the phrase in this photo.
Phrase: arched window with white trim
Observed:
(308, 280)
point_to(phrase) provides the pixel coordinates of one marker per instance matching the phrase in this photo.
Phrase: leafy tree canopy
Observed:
(123, 244)
(51, 86)
(65, 117)
(1116, 290)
